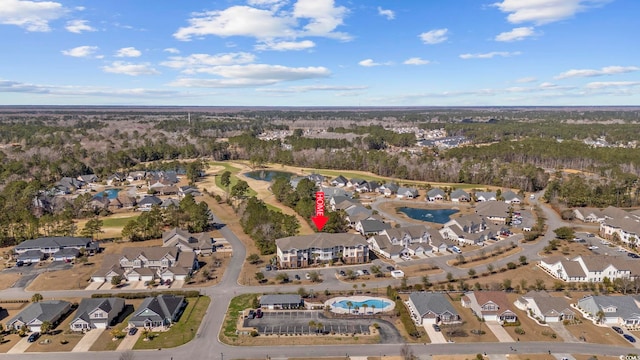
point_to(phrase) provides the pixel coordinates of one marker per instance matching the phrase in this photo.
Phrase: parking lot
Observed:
(303, 323)
(31, 271)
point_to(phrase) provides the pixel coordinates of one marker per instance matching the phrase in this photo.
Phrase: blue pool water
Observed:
(439, 216)
(111, 193)
(379, 304)
(267, 175)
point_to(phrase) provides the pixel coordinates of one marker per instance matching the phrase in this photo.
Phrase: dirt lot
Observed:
(214, 265)
(529, 273)
(491, 259)
(470, 322)
(8, 279)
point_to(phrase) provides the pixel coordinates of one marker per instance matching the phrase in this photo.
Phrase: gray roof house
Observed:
(485, 195)
(339, 181)
(511, 198)
(147, 202)
(371, 227)
(98, 313)
(388, 189)
(407, 193)
(460, 195)
(51, 245)
(198, 243)
(436, 194)
(30, 256)
(37, 313)
(617, 310)
(160, 311)
(545, 307)
(281, 301)
(431, 308)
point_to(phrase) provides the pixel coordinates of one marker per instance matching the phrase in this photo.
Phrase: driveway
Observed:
(87, 340)
(436, 337)
(499, 331)
(129, 341)
(20, 347)
(563, 332)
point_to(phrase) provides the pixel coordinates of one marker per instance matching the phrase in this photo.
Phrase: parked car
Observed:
(590, 235)
(633, 255)
(365, 271)
(617, 329)
(436, 327)
(390, 268)
(133, 331)
(252, 314)
(296, 276)
(630, 338)
(268, 267)
(33, 337)
(592, 247)
(259, 313)
(342, 273)
(19, 263)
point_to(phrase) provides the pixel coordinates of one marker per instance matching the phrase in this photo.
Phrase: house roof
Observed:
(54, 242)
(485, 194)
(493, 209)
(458, 193)
(425, 302)
(31, 254)
(434, 192)
(551, 305)
(320, 240)
(406, 190)
(625, 306)
(357, 209)
(413, 231)
(510, 196)
(161, 307)
(151, 253)
(89, 305)
(497, 297)
(573, 269)
(43, 311)
(277, 299)
(369, 226)
(340, 180)
(152, 200)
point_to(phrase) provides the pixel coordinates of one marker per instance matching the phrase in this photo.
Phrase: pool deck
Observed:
(361, 311)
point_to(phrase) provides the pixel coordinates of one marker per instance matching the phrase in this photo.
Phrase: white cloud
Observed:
(81, 51)
(8, 86)
(121, 67)
(489, 55)
(195, 63)
(78, 26)
(253, 75)
(370, 63)
(608, 70)
(285, 45)
(544, 11)
(416, 61)
(389, 14)
(307, 18)
(308, 88)
(434, 36)
(516, 34)
(128, 52)
(172, 50)
(272, 4)
(528, 79)
(612, 84)
(30, 15)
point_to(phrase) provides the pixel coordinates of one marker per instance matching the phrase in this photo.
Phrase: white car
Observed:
(592, 247)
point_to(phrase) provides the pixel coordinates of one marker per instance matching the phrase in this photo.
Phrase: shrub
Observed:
(519, 331)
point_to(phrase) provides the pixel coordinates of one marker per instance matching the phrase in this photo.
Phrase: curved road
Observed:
(207, 345)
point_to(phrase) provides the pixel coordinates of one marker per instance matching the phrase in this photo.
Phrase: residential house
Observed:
(494, 211)
(330, 192)
(339, 181)
(438, 242)
(30, 256)
(302, 251)
(89, 180)
(69, 184)
(48, 246)
(368, 186)
(436, 194)
(115, 179)
(407, 193)
(626, 230)
(355, 182)
(431, 308)
(126, 200)
(166, 203)
(588, 214)
(281, 301)
(201, 243)
(371, 227)
(147, 202)
(611, 310)
(355, 212)
(169, 190)
(468, 229)
(511, 198)
(395, 243)
(185, 190)
(316, 178)
(149, 263)
(35, 314)
(159, 311)
(96, 313)
(460, 195)
(98, 203)
(388, 189)
(485, 196)
(490, 306)
(136, 176)
(590, 268)
(545, 307)
(341, 202)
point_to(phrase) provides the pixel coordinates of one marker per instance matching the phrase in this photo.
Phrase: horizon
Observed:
(321, 53)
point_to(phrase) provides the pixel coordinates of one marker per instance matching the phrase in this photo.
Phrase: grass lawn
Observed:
(105, 342)
(233, 178)
(470, 322)
(237, 304)
(532, 331)
(117, 222)
(182, 331)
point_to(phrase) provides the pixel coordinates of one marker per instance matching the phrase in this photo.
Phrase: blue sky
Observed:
(320, 52)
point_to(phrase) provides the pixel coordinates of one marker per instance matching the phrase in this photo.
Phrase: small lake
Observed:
(267, 175)
(111, 194)
(439, 216)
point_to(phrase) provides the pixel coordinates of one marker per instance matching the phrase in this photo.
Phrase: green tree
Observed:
(240, 189)
(225, 180)
(523, 260)
(116, 280)
(92, 227)
(472, 273)
(253, 259)
(282, 278)
(564, 233)
(37, 297)
(46, 327)
(259, 276)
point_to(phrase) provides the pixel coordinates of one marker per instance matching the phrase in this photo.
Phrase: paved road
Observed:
(207, 345)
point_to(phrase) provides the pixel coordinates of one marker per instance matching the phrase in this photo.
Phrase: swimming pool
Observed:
(111, 194)
(359, 305)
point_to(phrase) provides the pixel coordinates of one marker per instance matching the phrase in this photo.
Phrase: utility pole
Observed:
(221, 356)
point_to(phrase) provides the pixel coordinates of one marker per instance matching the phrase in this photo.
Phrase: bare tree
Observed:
(406, 353)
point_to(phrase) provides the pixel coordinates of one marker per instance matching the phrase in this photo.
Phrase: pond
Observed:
(439, 216)
(267, 175)
(111, 194)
